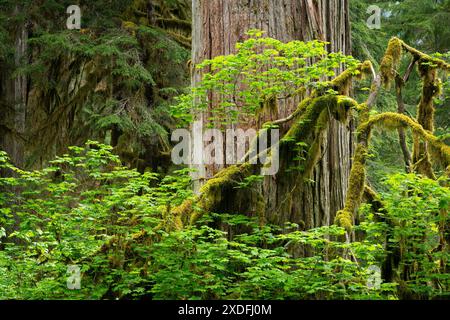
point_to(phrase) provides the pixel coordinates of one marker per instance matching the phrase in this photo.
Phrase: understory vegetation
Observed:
(87, 209)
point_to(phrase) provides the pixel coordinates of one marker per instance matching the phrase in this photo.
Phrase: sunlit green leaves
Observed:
(262, 69)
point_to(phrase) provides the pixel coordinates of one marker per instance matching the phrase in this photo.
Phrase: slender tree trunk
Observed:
(217, 26)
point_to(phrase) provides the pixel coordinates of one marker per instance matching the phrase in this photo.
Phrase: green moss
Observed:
(364, 112)
(431, 87)
(313, 157)
(211, 192)
(355, 192)
(309, 128)
(211, 195)
(335, 104)
(390, 61)
(344, 219)
(269, 106)
(182, 213)
(427, 67)
(395, 120)
(424, 58)
(343, 81)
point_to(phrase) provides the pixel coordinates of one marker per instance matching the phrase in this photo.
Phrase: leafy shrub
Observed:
(86, 209)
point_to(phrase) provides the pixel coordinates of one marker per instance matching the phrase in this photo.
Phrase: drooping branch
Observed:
(393, 121)
(310, 120)
(220, 195)
(422, 129)
(340, 84)
(428, 67)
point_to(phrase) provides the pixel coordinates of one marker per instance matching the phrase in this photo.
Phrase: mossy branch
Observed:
(388, 120)
(393, 55)
(394, 120)
(217, 194)
(422, 129)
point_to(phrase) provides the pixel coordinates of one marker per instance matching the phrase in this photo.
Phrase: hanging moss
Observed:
(424, 58)
(217, 194)
(174, 23)
(181, 39)
(180, 213)
(344, 219)
(431, 87)
(396, 120)
(337, 105)
(427, 67)
(268, 106)
(357, 179)
(313, 156)
(343, 81)
(392, 57)
(355, 192)
(212, 194)
(390, 61)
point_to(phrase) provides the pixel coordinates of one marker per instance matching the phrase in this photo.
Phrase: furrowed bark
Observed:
(218, 25)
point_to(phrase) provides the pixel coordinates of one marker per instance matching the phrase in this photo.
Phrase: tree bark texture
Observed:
(217, 26)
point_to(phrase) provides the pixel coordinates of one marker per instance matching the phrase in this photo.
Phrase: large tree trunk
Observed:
(13, 92)
(217, 26)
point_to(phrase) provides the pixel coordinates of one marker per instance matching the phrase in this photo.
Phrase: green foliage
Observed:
(65, 213)
(261, 73)
(422, 24)
(414, 225)
(113, 79)
(88, 210)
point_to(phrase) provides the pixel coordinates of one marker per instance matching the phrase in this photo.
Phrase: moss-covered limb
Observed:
(341, 84)
(371, 197)
(425, 112)
(428, 67)
(425, 115)
(343, 81)
(181, 39)
(306, 117)
(255, 142)
(340, 111)
(390, 61)
(356, 188)
(308, 129)
(174, 23)
(399, 83)
(216, 195)
(424, 58)
(337, 105)
(393, 120)
(301, 107)
(392, 57)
